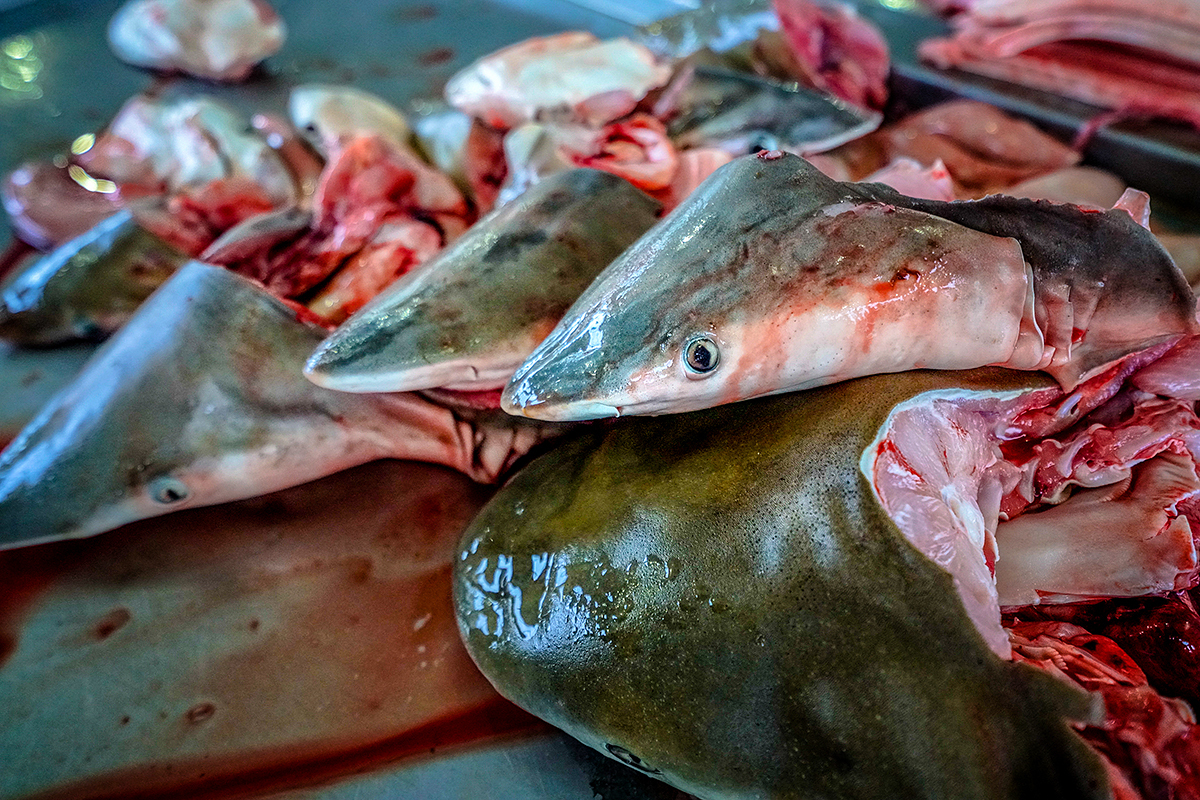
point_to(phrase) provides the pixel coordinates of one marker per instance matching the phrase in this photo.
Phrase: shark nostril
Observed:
(168, 491)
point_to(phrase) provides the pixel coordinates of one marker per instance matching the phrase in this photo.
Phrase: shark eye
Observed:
(701, 355)
(168, 491)
(626, 757)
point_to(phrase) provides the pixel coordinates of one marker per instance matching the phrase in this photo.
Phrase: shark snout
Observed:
(544, 389)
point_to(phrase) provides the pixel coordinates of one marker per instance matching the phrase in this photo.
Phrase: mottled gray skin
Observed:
(88, 287)
(200, 400)
(468, 318)
(738, 247)
(718, 600)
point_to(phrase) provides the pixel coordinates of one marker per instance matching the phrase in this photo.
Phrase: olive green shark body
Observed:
(718, 599)
(88, 287)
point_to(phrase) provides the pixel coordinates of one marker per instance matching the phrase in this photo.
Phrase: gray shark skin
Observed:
(88, 287)
(200, 400)
(785, 280)
(467, 319)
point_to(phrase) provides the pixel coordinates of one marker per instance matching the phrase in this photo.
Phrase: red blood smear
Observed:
(275, 773)
(27, 574)
(1161, 635)
(12, 256)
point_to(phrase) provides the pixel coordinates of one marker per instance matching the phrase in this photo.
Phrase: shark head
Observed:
(196, 401)
(467, 319)
(86, 288)
(771, 277)
(656, 330)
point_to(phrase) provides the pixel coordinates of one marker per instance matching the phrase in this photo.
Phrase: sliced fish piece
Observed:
(222, 40)
(467, 319)
(330, 116)
(772, 277)
(200, 400)
(88, 287)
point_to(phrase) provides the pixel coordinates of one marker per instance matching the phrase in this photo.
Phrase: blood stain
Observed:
(438, 55)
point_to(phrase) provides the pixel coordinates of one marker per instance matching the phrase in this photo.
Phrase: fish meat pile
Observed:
(838, 455)
(1118, 55)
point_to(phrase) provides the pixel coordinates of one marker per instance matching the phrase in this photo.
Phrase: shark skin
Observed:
(467, 319)
(772, 277)
(88, 287)
(200, 400)
(732, 611)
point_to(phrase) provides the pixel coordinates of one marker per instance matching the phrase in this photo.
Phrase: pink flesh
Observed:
(484, 164)
(400, 245)
(839, 51)
(214, 39)
(1000, 514)
(366, 185)
(1002, 12)
(1137, 205)
(982, 148)
(1167, 38)
(908, 177)
(636, 149)
(1176, 374)
(1103, 76)
(1120, 540)
(574, 73)
(47, 208)
(1087, 187)
(694, 166)
(193, 218)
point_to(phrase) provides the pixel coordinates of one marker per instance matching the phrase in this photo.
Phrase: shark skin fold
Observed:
(732, 611)
(88, 287)
(200, 400)
(785, 280)
(467, 319)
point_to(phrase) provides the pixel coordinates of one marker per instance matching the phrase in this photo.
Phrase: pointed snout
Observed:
(544, 389)
(374, 352)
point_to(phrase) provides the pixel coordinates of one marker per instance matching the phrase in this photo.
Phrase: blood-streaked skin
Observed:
(793, 280)
(216, 39)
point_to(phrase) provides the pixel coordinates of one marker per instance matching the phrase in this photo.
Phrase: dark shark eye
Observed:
(626, 757)
(701, 355)
(167, 490)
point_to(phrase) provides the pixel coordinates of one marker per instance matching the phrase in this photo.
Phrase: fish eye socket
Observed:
(168, 491)
(701, 355)
(628, 758)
